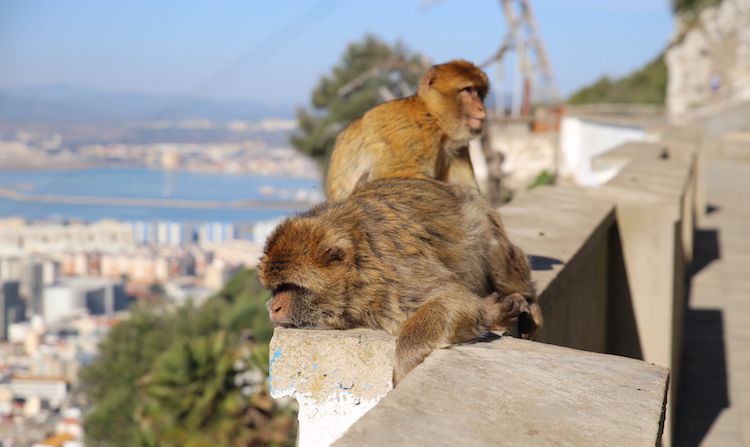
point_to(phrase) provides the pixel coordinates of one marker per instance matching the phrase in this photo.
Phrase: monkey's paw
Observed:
(513, 312)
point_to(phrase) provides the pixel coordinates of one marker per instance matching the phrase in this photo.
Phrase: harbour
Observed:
(139, 194)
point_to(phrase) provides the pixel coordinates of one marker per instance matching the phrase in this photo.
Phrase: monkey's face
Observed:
(461, 88)
(298, 307)
(306, 273)
(471, 108)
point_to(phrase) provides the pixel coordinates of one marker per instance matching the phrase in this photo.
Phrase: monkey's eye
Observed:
(469, 89)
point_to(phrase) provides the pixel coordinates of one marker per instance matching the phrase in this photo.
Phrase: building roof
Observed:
(57, 440)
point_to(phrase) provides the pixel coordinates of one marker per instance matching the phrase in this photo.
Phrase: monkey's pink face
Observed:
(290, 306)
(472, 107)
(296, 306)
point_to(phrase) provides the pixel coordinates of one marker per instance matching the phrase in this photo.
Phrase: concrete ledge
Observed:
(335, 376)
(517, 393)
(508, 391)
(735, 146)
(627, 153)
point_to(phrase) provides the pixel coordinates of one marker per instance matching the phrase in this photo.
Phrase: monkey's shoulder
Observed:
(401, 189)
(399, 114)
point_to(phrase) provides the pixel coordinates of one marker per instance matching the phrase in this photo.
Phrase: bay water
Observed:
(153, 184)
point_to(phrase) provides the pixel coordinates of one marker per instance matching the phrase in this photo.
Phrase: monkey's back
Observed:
(418, 228)
(398, 138)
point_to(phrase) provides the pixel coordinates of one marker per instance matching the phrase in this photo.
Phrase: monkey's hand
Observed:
(513, 314)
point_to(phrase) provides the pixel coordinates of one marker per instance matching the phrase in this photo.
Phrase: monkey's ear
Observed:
(429, 78)
(333, 254)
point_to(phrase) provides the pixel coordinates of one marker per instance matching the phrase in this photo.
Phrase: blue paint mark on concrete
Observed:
(315, 366)
(285, 391)
(276, 355)
(344, 388)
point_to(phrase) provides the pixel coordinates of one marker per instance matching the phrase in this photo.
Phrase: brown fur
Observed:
(413, 257)
(423, 136)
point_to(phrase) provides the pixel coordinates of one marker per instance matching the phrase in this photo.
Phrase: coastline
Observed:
(30, 166)
(138, 193)
(160, 203)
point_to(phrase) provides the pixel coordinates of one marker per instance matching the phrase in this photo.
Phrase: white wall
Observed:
(581, 140)
(60, 301)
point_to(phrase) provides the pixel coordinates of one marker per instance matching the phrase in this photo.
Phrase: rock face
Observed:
(709, 62)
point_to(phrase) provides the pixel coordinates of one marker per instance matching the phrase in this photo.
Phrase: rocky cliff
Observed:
(709, 62)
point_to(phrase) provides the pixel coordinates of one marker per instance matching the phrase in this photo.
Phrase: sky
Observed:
(276, 51)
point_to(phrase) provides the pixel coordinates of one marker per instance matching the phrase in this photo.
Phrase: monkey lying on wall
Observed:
(411, 256)
(423, 136)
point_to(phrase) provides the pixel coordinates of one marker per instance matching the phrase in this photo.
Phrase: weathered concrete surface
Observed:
(627, 153)
(653, 203)
(525, 155)
(734, 146)
(336, 376)
(566, 235)
(714, 404)
(519, 393)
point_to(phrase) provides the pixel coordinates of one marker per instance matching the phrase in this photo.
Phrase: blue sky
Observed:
(275, 51)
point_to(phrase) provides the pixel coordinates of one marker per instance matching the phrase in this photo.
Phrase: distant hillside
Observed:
(645, 86)
(70, 104)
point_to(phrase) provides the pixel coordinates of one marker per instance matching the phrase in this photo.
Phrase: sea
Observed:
(154, 184)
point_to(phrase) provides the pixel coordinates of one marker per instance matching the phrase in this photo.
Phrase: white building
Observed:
(50, 390)
(74, 296)
(583, 139)
(210, 232)
(46, 238)
(169, 233)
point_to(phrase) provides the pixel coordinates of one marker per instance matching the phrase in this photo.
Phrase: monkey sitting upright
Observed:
(423, 136)
(413, 257)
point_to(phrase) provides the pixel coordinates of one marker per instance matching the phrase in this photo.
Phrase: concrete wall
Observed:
(609, 264)
(582, 139)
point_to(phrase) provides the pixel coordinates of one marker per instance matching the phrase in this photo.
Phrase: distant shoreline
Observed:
(78, 166)
(128, 193)
(46, 166)
(159, 203)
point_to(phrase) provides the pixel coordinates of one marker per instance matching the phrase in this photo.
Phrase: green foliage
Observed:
(352, 88)
(692, 7)
(176, 378)
(125, 355)
(645, 86)
(156, 289)
(544, 178)
(190, 398)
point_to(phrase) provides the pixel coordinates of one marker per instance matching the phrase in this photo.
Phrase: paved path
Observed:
(714, 400)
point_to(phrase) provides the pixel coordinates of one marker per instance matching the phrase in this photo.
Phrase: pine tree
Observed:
(370, 73)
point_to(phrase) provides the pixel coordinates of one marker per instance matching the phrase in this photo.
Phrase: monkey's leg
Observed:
(514, 309)
(452, 315)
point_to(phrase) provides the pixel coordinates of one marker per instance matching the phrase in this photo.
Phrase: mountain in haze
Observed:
(60, 103)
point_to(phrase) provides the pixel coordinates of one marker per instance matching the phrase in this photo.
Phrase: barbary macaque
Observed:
(421, 259)
(423, 136)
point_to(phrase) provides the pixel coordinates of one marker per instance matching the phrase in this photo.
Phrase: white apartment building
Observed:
(46, 238)
(50, 390)
(75, 296)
